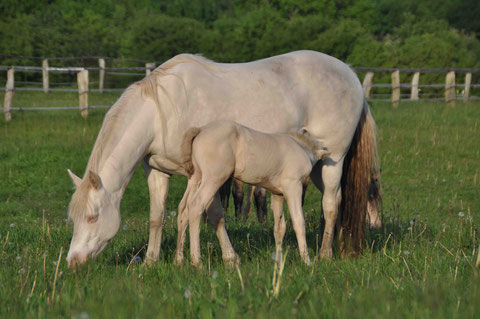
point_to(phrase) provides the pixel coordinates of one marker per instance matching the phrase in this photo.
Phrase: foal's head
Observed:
(96, 216)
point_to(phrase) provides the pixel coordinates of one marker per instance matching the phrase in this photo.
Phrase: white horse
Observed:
(302, 89)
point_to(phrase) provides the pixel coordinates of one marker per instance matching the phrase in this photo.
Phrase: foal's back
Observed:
(223, 148)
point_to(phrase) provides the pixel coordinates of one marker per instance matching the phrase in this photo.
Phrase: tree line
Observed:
(376, 33)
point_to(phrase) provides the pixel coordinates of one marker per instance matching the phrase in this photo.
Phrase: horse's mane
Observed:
(119, 116)
(116, 119)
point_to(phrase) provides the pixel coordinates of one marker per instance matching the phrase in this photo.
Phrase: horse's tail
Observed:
(186, 148)
(360, 161)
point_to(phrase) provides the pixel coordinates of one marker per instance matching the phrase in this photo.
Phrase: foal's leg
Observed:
(276, 204)
(195, 206)
(158, 188)
(293, 194)
(216, 219)
(182, 219)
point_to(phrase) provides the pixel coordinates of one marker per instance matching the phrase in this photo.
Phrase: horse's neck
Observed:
(117, 165)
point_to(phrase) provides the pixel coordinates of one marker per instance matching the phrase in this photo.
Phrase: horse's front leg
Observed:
(216, 218)
(158, 188)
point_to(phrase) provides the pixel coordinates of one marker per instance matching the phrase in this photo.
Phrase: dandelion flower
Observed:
(125, 227)
(406, 252)
(461, 214)
(187, 294)
(173, 213)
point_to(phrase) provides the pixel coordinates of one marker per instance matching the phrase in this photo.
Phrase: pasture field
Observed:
(421, 264)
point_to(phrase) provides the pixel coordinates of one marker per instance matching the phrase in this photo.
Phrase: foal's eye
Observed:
(92, 219)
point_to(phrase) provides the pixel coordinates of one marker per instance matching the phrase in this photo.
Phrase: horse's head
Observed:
(96, 216)
(374, 200)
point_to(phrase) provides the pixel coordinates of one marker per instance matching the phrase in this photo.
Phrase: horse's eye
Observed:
(92, 219)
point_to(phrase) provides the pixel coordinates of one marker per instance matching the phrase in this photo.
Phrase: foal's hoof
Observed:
(232, 262)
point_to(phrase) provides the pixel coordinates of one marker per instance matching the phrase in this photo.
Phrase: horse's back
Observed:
(273, 95)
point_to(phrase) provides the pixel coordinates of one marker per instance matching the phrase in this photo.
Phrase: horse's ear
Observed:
(75, 179)
(95, 180)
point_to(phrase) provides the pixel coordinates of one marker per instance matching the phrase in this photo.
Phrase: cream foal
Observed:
(280, 163)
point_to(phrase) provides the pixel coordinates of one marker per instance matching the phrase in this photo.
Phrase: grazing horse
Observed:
(280, 163)
(302, 89)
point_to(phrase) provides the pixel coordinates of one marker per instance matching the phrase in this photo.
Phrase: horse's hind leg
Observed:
(224, 192)
(276, 204)
(331, 174)
(237, 193)
(293, 194)
(158, 188)
(247, 208)
(260, 195)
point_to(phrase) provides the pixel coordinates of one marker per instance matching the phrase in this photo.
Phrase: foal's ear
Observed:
(75, 179)
(95, 180)
(304, 132)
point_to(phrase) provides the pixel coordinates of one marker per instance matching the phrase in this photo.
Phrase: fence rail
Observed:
(83, 84)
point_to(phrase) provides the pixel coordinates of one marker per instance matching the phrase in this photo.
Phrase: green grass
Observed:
(430, 166)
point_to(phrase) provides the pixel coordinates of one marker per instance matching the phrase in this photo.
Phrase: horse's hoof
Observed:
(178, 261)
(197, 265)
(232, 262)
(150, 261)
(326, 255)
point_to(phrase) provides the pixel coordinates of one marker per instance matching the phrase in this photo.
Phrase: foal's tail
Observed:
(186, 148)
(360, 161)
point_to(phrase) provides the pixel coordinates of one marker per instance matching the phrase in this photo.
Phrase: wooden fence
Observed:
(449, 87)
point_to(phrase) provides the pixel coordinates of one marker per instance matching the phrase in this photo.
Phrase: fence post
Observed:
(45, 75)
(148, 68)
(82, 80)
(9, 93)
(414, 92)
(101, 66)
(395, 88)
(367, 84)
(450, 88)
(468, 82)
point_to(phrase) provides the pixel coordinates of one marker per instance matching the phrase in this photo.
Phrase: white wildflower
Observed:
(125, 227)
(406, 252)
(187, 294)
(173, 213)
